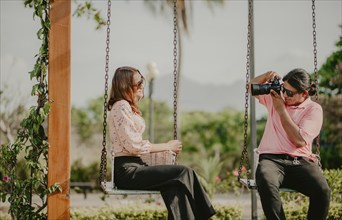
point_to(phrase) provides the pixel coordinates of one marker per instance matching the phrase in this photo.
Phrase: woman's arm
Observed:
(173, 145)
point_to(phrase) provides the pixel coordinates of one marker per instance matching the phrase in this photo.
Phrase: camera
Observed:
(261, 89)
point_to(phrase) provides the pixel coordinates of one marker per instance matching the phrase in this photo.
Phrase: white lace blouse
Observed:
(126, 129)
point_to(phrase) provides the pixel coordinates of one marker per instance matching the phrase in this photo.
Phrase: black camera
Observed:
(261, 89)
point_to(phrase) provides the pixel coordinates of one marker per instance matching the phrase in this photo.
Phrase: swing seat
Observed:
(252, 185)
(110, 189)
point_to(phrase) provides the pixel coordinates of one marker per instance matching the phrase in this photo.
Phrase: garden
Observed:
(213, 143)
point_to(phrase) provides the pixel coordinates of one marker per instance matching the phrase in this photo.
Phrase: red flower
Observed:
(6, 178)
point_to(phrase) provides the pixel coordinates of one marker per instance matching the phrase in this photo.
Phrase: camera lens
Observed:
(260, 89)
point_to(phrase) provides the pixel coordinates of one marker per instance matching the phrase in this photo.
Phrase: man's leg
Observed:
(269, 176)
(308, 179)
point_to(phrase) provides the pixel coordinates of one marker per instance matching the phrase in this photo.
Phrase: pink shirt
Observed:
(126, 129)
(309, 118)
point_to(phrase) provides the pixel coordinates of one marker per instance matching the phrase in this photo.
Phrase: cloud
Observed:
(15, 80)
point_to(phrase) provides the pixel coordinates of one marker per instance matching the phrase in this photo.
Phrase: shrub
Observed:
(296, 205)
(80, 173)
(334, 179)
(230, 184)
(222, 213)
(299, 212)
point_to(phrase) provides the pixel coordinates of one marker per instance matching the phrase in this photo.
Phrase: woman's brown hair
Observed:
(122, 88)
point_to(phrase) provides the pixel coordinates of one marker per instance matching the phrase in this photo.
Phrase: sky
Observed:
(214, 50)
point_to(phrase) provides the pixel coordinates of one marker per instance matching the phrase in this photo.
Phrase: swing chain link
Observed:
(315, 64)
(175, 69)
(244, 154)
(103, 166)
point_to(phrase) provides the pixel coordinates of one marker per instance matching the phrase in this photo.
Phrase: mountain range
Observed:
(194, 96)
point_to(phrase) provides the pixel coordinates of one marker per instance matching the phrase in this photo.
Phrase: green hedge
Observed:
(222, 213)
(296, 205)
(292, 212)
(295, 212)
(107, 213)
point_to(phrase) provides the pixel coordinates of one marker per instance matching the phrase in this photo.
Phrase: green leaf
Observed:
(34, 90)
(54, 188)
(46, 108)
(40, 33)
(3, 197)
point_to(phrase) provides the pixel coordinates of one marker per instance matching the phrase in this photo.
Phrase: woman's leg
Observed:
(179, 186)
(177, 204)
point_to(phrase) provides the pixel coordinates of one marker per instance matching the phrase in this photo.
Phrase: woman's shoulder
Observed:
(121, 105)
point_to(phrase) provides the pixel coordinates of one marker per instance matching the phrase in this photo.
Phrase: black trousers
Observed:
(303, 175)
(179, 186)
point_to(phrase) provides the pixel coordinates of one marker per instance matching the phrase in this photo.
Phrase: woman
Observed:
(181, 191)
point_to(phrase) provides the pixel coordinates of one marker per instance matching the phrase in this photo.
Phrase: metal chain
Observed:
(244, 154)
(315, 63)
(103, 165)
(175, 69)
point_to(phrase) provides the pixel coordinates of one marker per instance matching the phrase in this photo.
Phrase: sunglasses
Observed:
(289, 93)
(140, 83)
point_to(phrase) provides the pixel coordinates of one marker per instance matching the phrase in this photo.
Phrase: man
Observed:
(286, 158)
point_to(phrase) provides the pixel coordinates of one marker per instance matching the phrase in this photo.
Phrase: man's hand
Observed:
(270, 75)
(278, 102)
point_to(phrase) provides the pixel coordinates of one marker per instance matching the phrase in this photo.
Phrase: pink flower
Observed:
(217, 179)
(243, 169)
(235, 173)
(6, 178)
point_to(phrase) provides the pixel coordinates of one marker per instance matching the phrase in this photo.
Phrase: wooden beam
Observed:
(60, 115)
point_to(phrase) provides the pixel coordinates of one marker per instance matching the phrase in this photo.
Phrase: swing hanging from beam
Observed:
(109, 186)
(249, 182)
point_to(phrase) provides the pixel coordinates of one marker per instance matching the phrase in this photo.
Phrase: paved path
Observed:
(120, 202)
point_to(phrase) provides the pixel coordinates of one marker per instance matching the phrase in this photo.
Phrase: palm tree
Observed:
(183, 8)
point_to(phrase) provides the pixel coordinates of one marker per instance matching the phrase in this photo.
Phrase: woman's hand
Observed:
(175, 146)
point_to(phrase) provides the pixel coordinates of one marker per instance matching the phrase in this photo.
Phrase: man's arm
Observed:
(263, 78)
(290, 127)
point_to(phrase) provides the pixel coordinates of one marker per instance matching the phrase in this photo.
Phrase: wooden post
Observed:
(60, 114)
